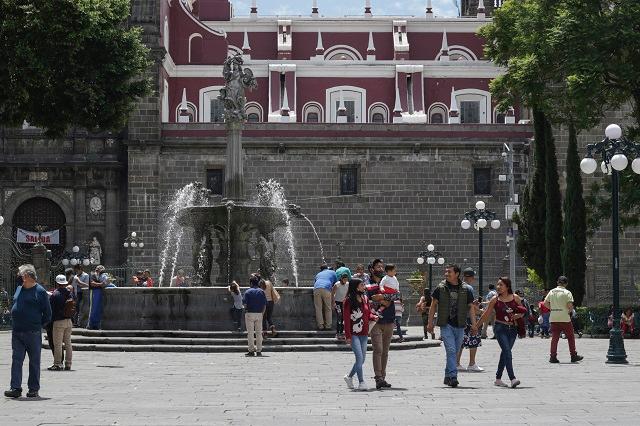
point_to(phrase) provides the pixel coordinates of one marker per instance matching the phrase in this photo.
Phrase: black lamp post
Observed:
(431, 257)
(480, 218)
(615, 152)
(133, 241)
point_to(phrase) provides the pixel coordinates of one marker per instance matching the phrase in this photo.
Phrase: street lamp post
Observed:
(431, 257)
(615, 151)
(480, 218)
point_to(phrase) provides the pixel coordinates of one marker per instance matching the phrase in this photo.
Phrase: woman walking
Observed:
(508, 310)
(356, 315)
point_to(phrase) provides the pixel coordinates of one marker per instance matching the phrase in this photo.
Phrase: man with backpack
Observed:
(63, 309)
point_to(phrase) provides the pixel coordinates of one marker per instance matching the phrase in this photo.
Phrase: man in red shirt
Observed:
(148, 281)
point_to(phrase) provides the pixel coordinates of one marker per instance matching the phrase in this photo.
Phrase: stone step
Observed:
(240, 340)
(196, 334)
(240, 348)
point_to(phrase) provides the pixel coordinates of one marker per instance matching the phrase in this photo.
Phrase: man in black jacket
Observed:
(62, 325)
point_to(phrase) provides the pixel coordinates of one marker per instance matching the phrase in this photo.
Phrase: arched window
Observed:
(378, 113)
(377, 118)
(474, 106)
(459, 53)
(254, 112)
(438, 114)
(211, 109)
(195, 48)
(192, 113)
(312, 112)
(355, 102)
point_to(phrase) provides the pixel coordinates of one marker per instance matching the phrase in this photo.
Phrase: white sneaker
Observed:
(500, 383)
(363, 386)
(349, 381)
(475, 368)
(515, 383)
(461, 368)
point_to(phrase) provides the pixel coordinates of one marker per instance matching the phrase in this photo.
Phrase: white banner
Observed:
(28, 237)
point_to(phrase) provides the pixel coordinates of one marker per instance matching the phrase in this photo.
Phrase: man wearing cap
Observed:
(62, 325)
(99, 280)
(560, 301)
(30, 312)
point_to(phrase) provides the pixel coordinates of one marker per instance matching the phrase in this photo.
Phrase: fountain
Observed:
(236, 223)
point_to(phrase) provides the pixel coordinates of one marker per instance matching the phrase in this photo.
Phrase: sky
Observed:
(347, 7)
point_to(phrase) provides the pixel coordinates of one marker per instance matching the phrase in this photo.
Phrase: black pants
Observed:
(268, 313)
(76, 317)
(339, 318)
(50, 337)
(236, 315)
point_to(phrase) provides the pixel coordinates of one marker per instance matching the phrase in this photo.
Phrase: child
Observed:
(388, 285)
(361, 275)
(626, 321)
(236, 309)
(398, 319)
(338, 293)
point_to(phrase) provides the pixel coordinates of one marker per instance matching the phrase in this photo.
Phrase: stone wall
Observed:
(410, 190)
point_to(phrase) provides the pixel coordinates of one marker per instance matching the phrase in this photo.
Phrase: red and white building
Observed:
(313, 69)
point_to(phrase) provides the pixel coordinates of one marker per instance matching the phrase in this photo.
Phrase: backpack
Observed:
(69, 309)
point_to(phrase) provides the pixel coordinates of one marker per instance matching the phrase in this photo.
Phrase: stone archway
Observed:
(41, 211)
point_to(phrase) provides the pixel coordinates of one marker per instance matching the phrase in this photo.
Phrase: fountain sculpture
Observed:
(236, 224)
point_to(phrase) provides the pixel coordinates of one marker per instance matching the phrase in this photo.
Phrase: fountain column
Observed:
(234, 174)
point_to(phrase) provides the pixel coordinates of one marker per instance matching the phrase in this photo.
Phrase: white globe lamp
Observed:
(74, 262)
(65, 262)
(431, 247)
(613, 131)
(588, 165)
(619, 162)
(1, 220)
(75, 249)
(482, 223)
(420, 260)
(431, 260)
(495, 224)
(441, 261)
(134, 244)
(466, 224)
(141, 245)
(85, 262)
(635, 166)
(480, 205)
(126, 245)
(133, 234)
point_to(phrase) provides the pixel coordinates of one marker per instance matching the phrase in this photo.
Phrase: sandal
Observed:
(55, 368)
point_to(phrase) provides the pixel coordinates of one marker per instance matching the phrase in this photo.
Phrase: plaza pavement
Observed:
(307, 389)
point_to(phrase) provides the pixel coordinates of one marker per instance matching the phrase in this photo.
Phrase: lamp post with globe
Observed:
(431, 257)
(133, 241)
(614, 151)
(75, 257)
(480, 217)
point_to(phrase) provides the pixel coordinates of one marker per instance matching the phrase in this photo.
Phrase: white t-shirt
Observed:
(390, 282)
(341, 291)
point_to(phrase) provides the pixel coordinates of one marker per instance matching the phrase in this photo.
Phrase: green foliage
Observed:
(69, 63)
(534, 278)
(553, 215)
(574, 259)
(416, 275)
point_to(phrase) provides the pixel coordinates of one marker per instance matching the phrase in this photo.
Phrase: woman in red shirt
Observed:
(508, 310)
(356, 315)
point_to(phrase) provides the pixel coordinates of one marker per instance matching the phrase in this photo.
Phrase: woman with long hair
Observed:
(508, 310)
(356, 315)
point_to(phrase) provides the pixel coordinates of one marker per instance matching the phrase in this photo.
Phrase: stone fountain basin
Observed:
(195, 308)
(265, 218)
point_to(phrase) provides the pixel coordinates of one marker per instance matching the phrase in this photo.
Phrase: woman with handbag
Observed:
(509, 311)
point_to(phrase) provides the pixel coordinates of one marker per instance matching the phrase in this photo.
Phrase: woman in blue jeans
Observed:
(356, 315)
(508, 309)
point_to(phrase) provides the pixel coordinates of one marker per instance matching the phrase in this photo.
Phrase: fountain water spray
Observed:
(192, 194)
(271, 193)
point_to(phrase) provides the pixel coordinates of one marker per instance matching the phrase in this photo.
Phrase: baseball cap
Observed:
(469, 272)
(61, 280)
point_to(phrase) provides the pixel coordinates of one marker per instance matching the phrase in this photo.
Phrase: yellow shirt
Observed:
(558, 299)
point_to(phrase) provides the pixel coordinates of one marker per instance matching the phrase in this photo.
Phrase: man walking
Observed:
(560, 301)
(31, 311)
(255, 303)
(453, 300)
(62, 325)
(322, 296)
(80, 283)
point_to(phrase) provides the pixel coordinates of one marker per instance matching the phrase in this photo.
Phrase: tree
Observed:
(574, 258)
(553, 208)
(69, 63)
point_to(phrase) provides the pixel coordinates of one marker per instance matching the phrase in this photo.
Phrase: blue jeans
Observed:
(359, 348)
(452, 340)
(95, 309)
(26, 342)
(544, 328)
(506, 336)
